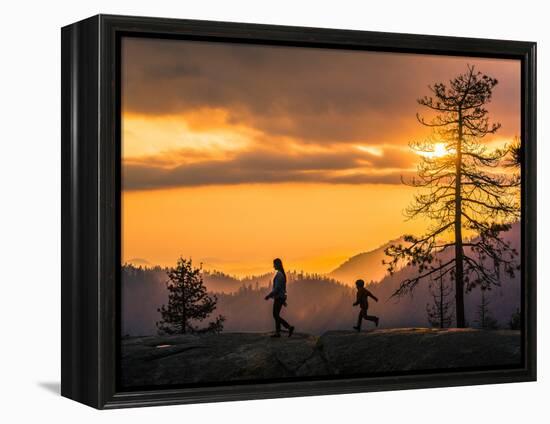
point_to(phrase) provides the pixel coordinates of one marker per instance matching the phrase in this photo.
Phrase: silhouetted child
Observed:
(363, 301)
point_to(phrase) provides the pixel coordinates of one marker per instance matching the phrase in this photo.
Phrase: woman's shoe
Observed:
(290, 331)
(276, 335)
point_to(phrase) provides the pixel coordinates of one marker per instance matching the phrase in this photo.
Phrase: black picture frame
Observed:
(90, 176)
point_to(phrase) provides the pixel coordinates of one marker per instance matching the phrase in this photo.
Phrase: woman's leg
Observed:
(276, 311)
(277, 306)
(284, 323)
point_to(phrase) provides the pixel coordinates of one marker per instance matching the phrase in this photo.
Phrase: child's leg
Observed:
(370, 317)
(359, 320)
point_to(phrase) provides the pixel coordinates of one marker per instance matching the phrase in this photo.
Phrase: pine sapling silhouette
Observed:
(440, 312)
(484, 318)
(188, 302)
(462, 191)
(515, 321)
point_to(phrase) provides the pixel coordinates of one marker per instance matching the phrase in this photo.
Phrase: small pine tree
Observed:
(515, 321)
(440, 312)
(484, 318)
(188, 302)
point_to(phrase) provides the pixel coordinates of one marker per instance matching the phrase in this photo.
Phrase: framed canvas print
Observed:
(254, 211)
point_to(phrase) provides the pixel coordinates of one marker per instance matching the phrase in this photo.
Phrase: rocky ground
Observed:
(185, 359)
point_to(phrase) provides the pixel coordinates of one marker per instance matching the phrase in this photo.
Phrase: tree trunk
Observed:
(184, 310)
(483, 310)
(459, 251)
(441, 317)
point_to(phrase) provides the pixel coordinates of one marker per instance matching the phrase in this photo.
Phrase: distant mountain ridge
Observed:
(367, 266)
(139, 262)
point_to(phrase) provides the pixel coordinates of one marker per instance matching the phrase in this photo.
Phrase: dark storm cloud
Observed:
(273, 167)
(317, 95)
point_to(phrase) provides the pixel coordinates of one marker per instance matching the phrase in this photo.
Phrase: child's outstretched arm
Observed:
(373, 296)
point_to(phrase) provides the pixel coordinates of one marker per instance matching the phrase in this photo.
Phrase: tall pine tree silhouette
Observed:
(461, 190)
(188, 302)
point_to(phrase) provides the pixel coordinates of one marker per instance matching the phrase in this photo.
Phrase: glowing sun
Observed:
(439, 150)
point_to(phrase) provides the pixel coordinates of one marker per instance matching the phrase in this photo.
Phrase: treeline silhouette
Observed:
(317, 303)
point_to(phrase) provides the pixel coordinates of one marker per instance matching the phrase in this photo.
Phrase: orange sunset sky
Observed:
(236, 154)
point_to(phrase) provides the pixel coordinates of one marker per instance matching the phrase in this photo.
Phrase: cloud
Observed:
(264, 166)
(229, 113)
(317, 95)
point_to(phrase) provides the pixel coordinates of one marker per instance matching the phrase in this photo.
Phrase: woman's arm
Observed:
(277, 286)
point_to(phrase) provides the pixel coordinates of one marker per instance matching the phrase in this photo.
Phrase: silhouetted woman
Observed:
(279, 298)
